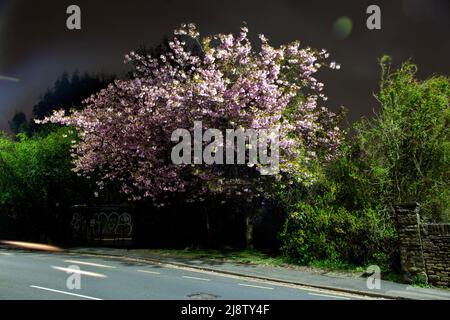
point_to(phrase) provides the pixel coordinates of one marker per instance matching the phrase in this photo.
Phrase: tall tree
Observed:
(126, 129)
(69, 91)
(407, 143)
(19, 123)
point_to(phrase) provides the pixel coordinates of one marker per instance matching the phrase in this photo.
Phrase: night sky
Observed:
(36, 47)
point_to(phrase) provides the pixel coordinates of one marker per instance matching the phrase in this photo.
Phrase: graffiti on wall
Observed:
(98, 225)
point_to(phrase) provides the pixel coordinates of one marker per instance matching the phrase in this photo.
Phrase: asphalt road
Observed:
(26, 275)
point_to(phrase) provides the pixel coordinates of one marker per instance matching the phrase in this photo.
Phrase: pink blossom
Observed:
(125, 129)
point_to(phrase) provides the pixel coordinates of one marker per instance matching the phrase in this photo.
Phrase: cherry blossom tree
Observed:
(125, 130)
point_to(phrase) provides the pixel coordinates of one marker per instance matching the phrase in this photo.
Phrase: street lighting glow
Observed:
(9, 79)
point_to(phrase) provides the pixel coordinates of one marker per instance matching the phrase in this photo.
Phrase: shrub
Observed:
(402, 154)
(325, 230)
(37, 186)
(406, 145)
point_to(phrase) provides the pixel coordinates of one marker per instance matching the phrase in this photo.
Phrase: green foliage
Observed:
(37, 185)
(421, 281)
(406, 146)
(333, 233)
(340, 219)
(402, 154)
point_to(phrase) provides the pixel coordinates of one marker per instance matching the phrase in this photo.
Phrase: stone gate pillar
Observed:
(410, 242)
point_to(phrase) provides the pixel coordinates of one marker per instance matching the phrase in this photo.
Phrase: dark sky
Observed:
(36, 47)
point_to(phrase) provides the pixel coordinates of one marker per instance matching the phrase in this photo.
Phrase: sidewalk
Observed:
(332, 281)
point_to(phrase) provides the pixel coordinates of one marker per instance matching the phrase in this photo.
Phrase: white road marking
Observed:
(86, 273)
(67, 293)
(195, 278)
(242, 278)
(40, 257)
(253, 286)
(147, 271)
(5, 254)
(327, 296)
(89, 264)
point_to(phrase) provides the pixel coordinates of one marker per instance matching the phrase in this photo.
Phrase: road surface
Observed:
(26, 275)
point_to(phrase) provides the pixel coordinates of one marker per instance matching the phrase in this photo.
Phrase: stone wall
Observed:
(436, 252)
(424, 248)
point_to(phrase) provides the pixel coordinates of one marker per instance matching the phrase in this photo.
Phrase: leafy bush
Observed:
(37, 186)
(321, 228)
(400, 155)
(406, 146)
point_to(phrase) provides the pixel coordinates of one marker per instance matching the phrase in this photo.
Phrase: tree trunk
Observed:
(208, 229)
(251, 211)
(249, 230)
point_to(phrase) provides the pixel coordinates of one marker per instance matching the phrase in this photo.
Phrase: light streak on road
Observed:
(32, 246)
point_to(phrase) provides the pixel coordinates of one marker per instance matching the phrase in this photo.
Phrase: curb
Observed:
(231, 273)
